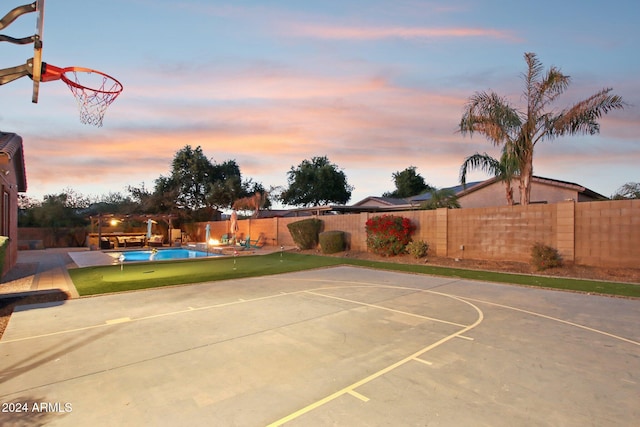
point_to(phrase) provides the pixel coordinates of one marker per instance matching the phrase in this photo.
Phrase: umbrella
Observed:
(207, 232)
(149, 223)
(234, 224)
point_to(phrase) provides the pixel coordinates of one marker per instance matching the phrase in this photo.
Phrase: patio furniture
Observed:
(105, 243)
(257, 244)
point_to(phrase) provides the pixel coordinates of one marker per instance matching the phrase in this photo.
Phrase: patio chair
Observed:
(256, 244)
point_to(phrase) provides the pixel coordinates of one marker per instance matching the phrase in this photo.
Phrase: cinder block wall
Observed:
(593, 233)
(502, 233)
(608, 233)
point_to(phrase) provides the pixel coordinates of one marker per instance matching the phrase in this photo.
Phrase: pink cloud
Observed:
(377, 33)
(268, 121)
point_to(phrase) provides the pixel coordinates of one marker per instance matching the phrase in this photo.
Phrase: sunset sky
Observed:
(376, 86)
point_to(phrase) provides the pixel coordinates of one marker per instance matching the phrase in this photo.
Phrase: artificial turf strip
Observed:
(134, 276)
(581, 285)
(106, 279)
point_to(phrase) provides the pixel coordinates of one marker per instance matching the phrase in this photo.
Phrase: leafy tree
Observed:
(316, 182)
(518, 131)
(199, 185)
(224, 171)
(165, 197)
(443, 198)
(408, 183)
(115, 203)
(26, 202)
(142, 196)
(59, 210)
(222, 193)
(505, 169)
(630, 190)
(191, 174)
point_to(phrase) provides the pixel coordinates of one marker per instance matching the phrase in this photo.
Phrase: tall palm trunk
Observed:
(526, 174)
(509, 192)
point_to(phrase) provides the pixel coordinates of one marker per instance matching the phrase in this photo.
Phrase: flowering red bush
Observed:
(388, 234)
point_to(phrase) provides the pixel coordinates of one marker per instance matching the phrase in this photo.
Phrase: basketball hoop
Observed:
(94, 91)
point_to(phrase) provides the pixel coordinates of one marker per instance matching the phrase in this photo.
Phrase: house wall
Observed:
(9, 217)
(494, 195)
(491, 195)
(605, 233)
(545, 193)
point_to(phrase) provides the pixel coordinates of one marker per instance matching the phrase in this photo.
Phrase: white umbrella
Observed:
(207, 232)
(149, 223)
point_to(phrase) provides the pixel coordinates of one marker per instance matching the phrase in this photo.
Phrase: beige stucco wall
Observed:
(495, 195)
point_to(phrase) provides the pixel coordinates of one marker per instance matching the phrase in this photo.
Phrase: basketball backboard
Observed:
(37, 50)
(93, 90)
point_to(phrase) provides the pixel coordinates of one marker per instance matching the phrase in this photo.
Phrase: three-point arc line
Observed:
(415, 356)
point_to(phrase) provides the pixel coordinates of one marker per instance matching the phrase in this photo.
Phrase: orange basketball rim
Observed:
(93, 90)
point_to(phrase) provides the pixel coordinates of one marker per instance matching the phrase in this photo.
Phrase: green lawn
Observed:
(106, 279)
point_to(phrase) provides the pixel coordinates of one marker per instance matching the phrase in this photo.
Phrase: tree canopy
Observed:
(519, 130)
(441, 198)
(316, 182)
(630, 190)
(408, 183)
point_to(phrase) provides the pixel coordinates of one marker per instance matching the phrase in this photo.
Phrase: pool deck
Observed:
(91, 258)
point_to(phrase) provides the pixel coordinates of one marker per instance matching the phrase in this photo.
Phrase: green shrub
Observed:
(331, 241)
(418, 249)
(388, 234)
(543, 257)
(305, 232)
(4, 245)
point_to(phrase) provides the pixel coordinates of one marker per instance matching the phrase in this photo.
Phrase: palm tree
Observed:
(505, 169)
(519, 131)
(442, 198)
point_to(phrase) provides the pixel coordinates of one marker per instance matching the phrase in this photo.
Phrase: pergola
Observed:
(97, 220)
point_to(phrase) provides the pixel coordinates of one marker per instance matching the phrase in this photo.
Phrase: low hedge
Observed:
(331, 241)
(305, 232)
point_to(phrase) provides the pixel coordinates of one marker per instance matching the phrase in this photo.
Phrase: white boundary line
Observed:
(566, 322)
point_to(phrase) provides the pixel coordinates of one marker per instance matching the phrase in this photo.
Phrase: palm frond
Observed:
(484, 162)
(582, 117)
(491, 116)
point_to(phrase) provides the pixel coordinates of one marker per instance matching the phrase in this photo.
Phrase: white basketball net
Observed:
(93, 98)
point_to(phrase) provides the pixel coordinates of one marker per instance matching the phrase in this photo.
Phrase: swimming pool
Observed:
(161, 254)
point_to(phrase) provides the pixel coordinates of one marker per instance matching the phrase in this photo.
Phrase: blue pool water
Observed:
(163, 254)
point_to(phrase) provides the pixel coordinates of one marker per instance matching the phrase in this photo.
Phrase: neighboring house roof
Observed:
(390, 204)
(540, 180)
(456, 189)
(11, 152)
(579, 188)
(381, 201)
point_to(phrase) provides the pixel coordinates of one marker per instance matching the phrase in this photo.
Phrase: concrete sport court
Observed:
(341, 346)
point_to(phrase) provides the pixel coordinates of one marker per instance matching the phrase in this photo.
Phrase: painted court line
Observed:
(379, 307)
(358, 395)
(426, 362)
(351, 388)
(153, 316)
(544, 316)
(116, 321)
